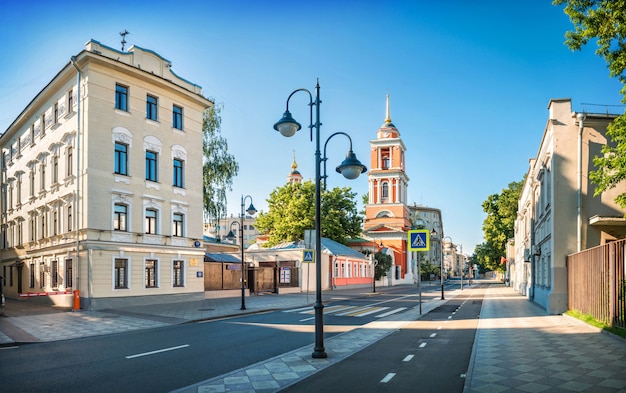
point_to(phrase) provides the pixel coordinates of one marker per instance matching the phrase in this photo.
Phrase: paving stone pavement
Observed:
(517, 348)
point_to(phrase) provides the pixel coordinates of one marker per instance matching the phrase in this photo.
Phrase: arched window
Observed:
(385, 190)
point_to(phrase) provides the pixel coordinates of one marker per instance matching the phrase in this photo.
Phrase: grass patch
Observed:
(589, 319)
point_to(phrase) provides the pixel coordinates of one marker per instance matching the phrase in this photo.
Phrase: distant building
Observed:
(101, 184)
(557, 212)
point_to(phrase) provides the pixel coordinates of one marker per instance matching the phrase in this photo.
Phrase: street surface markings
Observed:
(388, 377)
(408, 358)
(422, 345)
(391, 312)
(362, 311)
(433, 335)
(157, 351)
(350, 311)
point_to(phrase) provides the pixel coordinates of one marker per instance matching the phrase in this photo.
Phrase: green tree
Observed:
(383, 266)
(605, 22)
(218, 166)
(499, 225)
(292, 211)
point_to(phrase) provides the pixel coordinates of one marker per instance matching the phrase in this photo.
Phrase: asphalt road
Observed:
(164, 359)
(429, 355)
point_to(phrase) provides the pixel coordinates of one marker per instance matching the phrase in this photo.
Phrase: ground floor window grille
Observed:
(179, 273)
(121, 273)
(151, 273)
(69, 274)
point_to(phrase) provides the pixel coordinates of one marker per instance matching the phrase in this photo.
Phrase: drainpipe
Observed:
(581, 125)
(76, 211)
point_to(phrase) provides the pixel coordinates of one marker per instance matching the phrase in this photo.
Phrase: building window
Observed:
(54, 274)
(121, 274)
(177, 117)
(32, 182)
(19, 191)
(42, 275)
(178, 222)
(69, 218)
(18, 240)
(179, 274)
(55, 222)
(121, 158)
(70, 101)
(151, 221)
(31, 278)
(42, 172)
(69, 164)
(121, 97)
(385, 190)
(43, 226)
(120, 217)
(56, 113)
(179, 173)
(151, 165)
(32, 228)
(69, 274)
(55, 169)
(151, 273)
(151, 107)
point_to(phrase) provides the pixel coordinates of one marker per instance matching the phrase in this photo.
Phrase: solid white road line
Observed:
(157, 351)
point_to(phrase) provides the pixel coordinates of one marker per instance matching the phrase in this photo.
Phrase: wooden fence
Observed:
(596, 284)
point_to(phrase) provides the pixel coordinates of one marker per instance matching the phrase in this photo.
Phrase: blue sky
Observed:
(469, 81)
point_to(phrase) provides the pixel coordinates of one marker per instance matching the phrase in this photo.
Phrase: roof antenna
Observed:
(123, 34)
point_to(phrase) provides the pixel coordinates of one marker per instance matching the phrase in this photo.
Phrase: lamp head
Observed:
(351, 167)
(287, 126)
(230, 236)
(251, 210)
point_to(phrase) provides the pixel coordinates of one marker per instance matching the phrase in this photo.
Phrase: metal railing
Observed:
(596, 283)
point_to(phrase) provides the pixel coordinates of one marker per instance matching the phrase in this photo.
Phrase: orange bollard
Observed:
(76, 299)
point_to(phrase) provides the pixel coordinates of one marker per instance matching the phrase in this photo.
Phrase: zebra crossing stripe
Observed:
(397, 310)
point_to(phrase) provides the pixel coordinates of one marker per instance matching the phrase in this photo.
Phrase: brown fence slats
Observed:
(597, 284)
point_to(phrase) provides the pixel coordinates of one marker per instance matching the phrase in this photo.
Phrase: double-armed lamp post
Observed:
(350, 168)
(231, 236)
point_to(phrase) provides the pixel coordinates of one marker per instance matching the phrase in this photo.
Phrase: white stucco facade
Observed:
(101, 184)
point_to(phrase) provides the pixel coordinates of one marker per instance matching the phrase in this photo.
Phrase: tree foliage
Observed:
(218, 166)
(383, 266)
(292, 211)
(499, 225)
(605, 22)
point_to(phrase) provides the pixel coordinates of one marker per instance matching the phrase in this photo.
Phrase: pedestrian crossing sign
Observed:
(419, 240)
(307, 256)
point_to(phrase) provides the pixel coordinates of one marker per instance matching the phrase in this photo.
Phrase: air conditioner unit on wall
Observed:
(536, 250)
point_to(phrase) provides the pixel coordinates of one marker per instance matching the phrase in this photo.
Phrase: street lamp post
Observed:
(252, 211)
(451, 244)
(433, 233)
(378, 246)
(350, 168)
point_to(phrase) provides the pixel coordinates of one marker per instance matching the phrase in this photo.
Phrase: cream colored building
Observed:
(101, 184)
(557, 212)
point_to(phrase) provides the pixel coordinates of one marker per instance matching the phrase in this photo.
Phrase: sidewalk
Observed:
(518, 348)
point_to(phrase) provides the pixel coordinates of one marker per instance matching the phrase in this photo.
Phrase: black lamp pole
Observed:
(351, 168)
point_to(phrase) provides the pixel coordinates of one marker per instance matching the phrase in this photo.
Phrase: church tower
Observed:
(387, 216)
(294, 176)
